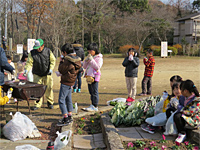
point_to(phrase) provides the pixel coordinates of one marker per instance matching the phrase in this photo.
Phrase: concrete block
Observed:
(111, 137)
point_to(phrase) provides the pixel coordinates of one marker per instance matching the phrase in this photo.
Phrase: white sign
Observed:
(164, 49)
(30, 44)
(19, 48)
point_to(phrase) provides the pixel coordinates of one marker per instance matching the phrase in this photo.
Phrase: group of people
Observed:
(184, 102)
(184, 98)
(131, 63)
(41, 62)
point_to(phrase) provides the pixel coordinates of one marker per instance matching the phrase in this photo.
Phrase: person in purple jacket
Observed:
(92, 65)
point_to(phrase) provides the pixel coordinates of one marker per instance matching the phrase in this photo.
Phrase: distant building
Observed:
(187, 27)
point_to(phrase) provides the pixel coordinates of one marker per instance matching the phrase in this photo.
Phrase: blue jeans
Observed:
(94, 94)
(65, 99)
(78, 79)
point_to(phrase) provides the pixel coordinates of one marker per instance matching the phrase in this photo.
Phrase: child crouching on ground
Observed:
(68, 69)
(189, 115)
(171, 106)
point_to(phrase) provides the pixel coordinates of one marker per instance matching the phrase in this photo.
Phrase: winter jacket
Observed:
(69, 69)
(40, 62)
(149, 66)
(92, 67)
(191, 112)
(131, 67)
(79, 51)
(4, 65)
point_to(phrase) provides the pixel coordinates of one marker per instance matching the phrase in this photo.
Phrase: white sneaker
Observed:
(15, 100)
(180, 138)
(9, 92)
(91, 108)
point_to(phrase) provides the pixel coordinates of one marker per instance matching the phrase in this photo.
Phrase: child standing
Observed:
(131, 73)
(92, 65)
(68, 69)
(189, 115)
(149, 63)
(20, 67)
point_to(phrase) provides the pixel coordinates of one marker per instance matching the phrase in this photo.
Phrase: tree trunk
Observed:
(99, 37)
(91, 34)
(83, 27)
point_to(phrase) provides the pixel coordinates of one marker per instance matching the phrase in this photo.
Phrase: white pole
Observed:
(6, 22)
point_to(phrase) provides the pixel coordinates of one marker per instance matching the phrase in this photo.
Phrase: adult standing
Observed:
(80, 53)
(4, 65)
(42, 62)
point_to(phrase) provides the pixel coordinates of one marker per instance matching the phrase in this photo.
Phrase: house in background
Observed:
(187, 28)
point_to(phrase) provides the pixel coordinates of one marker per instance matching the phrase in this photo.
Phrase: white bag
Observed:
(159, 105)
(157, 120)
(18, 128)
(26, 147)
(62, 139)
(117, 100)
(170, 126)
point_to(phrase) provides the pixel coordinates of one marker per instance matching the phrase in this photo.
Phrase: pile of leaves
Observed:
(134, 114)
(87, 125)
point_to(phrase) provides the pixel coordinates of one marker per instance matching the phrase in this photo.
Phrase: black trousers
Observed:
(182, 126)
(169, 111)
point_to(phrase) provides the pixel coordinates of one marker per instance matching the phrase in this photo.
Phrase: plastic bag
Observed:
(18, 128)
(159, 105)
(26, 147)
(170, 126)
(30, 76)
(62, 139)
(117, 100)
(157, 120)
(75, 110)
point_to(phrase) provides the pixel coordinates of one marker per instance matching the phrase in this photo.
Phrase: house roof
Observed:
(192, 16)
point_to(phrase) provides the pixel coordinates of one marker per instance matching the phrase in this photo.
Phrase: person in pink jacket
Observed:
(92, 65)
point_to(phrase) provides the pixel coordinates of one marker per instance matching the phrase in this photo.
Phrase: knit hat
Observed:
(38, 43)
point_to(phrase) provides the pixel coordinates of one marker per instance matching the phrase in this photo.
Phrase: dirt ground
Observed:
(112, 85)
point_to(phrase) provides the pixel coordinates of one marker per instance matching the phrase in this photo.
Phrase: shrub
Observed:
(157, 52)
(124, 49)
(179, 48)
(153, 47)
(174, 50)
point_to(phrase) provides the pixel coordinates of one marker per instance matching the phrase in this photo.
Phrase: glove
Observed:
(89, 57)
(9, 93)
(130, 58)
(50, 72)
(13, 72)
(145, 59)
(180, 108)
(25, 73)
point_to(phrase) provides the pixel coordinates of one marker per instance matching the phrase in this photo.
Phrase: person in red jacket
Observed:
(149, 63)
